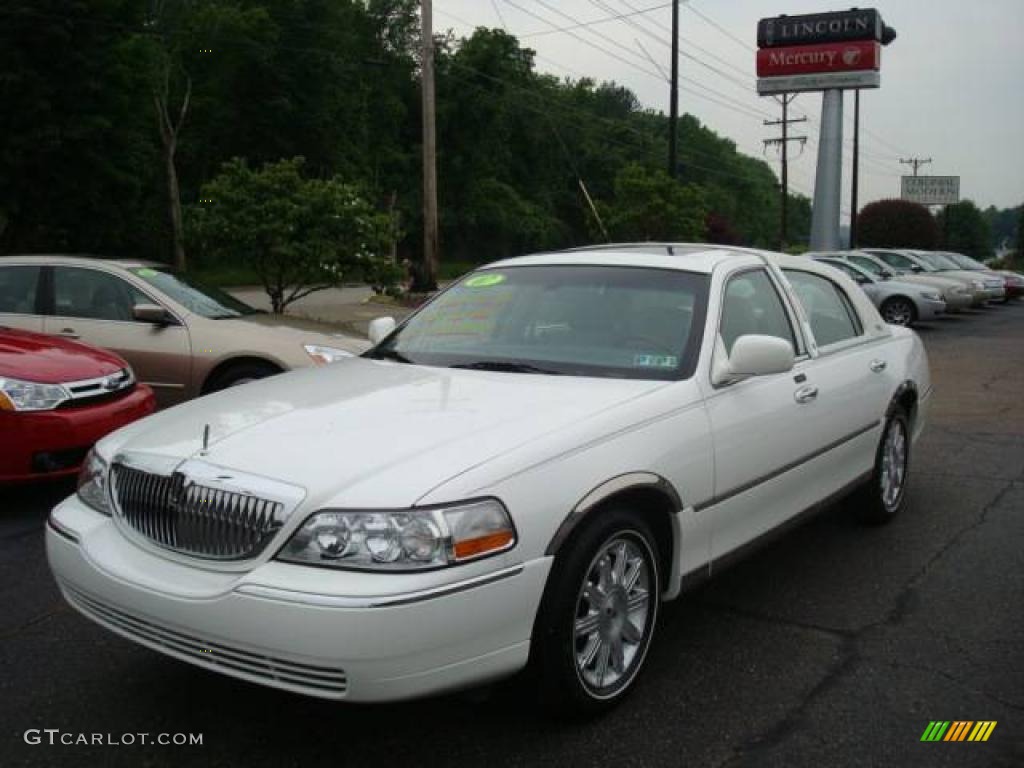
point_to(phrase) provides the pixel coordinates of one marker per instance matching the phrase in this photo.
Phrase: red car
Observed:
(57, 398)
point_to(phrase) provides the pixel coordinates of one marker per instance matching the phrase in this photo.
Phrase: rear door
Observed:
(95, 305)
(20, 297)
(848, 373)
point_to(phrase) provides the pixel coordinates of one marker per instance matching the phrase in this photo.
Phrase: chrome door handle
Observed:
(878, 365)
(68, 333)
(805, 394)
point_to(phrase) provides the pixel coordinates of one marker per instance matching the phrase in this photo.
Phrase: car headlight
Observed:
(325, 355)
(405, 540)
(957, 290)
(92, 482)
(16, 395)
(978, 285)
(931, 296)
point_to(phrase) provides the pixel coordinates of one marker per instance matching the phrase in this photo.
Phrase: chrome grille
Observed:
(192, 518)
(325, 682)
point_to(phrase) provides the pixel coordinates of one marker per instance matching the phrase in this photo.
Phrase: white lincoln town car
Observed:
(520, 474)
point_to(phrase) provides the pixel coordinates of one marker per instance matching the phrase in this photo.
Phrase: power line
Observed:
(720, 28)
(594, 22)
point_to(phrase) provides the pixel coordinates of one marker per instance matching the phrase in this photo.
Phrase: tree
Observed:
(301, 235)
(963, 229)
(896, 224)
(650, 205)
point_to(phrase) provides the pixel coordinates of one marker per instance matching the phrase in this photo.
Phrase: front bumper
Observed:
(956, 302)
(50, 444)
(927, 309)
(257, 626)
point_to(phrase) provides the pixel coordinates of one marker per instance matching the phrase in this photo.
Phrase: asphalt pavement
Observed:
(834, 646)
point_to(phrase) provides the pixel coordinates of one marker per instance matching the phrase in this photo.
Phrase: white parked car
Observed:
(522, 472)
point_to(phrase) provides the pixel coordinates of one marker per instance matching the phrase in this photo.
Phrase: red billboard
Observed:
(816, 59)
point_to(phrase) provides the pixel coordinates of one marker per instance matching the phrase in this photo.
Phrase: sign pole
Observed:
(828, 184)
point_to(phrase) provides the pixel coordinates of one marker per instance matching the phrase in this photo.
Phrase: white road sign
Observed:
(931, 190)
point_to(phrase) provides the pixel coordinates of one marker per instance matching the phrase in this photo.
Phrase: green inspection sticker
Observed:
(655, 361)
(145, 272)
(484, 281)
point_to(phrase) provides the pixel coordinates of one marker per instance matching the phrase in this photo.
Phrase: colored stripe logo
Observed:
(958, 730)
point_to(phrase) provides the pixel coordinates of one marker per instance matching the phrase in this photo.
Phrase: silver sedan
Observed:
(898, 303)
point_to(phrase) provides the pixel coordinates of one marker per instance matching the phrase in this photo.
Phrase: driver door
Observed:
(95, 306)
(763, 426)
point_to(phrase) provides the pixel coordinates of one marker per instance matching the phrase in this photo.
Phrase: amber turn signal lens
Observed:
(481, 545)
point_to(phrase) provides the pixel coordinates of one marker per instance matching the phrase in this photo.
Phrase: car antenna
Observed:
(670, 251)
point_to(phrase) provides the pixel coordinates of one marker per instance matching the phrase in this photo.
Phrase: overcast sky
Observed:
(952, 82)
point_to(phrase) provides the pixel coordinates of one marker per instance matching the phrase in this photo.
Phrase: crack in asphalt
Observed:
(57, 609)
(849, 654)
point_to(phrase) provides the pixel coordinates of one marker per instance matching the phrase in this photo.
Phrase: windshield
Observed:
(938, 261)
(211, 303)
(621, 322)
(966, 262)
(873, 266)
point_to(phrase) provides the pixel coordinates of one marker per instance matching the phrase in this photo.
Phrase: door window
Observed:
(94, 295)
(752, 305)
(18, 287)
(829, 311)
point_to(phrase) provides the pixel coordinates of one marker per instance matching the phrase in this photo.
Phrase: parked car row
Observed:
(908, 286)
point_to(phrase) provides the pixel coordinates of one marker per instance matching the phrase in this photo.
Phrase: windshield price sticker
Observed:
(655, 361)
(145, 272)
(484, 281)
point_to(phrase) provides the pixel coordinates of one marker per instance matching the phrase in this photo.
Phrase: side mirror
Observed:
(150, 313)
(380, 329)
(754, 355)
(917, 268)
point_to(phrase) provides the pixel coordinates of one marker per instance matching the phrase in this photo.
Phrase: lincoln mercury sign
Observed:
(931, 190)
(821, 51)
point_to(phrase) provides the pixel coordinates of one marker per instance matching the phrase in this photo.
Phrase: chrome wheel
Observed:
(612, 616)
(894, 464)
(898, 312)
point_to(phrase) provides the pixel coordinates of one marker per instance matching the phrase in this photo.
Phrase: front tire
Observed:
(240, 373)
(885, 494)
(899, 311)
(598, 615)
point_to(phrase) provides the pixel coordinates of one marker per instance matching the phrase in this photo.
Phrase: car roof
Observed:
(688, 257)
(79, 260)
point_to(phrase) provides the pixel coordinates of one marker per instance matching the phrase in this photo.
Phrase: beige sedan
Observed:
(182, 339)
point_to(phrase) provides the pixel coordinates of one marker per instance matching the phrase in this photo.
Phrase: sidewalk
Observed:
(349, 308)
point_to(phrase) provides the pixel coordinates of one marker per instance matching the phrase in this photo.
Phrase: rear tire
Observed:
(885, 494)
(899, 311)
(598, 615)
(240, 373)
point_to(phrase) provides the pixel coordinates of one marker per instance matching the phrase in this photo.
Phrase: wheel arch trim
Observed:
(614, 486)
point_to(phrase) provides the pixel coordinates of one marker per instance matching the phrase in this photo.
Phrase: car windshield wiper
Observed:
(505, 366)
(388, 354)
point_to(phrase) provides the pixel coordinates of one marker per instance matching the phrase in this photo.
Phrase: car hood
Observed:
(294, 329)
(374, 433)
(964, 274)
(51, 359)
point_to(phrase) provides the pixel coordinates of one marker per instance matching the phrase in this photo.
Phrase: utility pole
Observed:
(431, 240)
(783, 142)
(916, 162)
(673, 119)
(856, 168)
